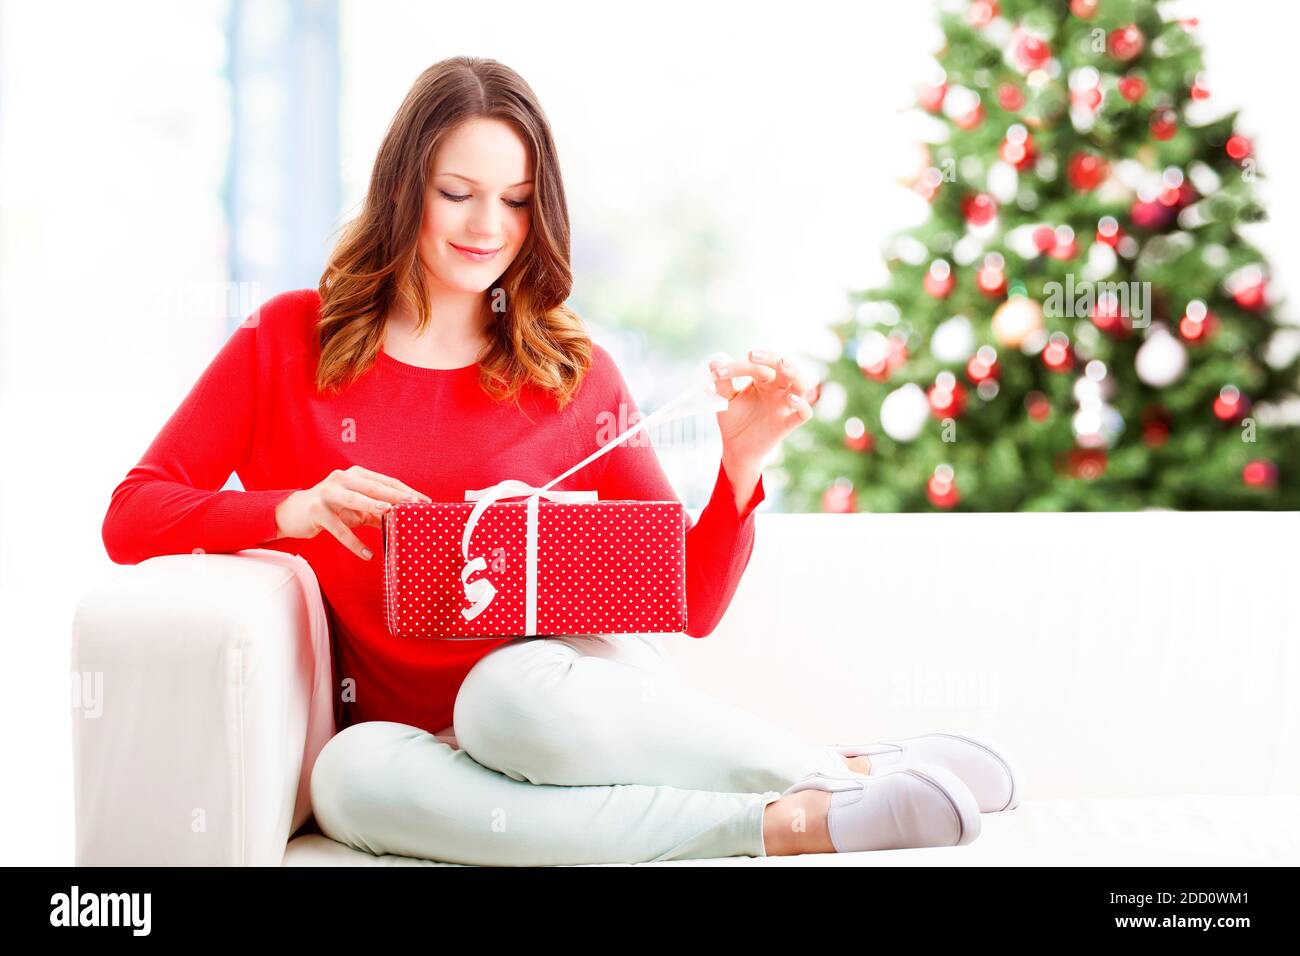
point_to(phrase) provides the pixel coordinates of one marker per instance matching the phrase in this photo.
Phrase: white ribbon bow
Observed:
(698, 398)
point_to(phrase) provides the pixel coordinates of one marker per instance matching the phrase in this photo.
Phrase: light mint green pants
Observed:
(564, 750)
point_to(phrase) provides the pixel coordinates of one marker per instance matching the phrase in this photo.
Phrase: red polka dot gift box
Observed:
(558, 562)
(555, 563)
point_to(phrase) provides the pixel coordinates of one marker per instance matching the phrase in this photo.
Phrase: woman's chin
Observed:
(469, 283)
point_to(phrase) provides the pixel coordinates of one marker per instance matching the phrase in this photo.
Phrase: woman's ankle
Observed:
(797, 824)
(860, 764)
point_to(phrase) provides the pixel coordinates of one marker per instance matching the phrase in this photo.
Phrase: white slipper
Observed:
(986, 768)
(914, 806)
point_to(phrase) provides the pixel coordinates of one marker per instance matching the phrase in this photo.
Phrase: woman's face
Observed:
(478, 205)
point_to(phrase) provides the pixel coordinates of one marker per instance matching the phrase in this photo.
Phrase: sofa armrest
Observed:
(202, 695)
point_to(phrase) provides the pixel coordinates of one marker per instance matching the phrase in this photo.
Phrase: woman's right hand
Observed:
(344, 500)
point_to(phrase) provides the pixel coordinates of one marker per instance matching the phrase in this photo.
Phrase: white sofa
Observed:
(1143, 667)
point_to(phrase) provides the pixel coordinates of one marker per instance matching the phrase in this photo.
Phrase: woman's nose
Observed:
(484, 220)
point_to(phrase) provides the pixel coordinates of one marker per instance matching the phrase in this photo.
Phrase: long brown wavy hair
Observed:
(536, 339)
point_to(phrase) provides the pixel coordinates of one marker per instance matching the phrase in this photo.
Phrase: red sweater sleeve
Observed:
(718, 543)
(169, 503)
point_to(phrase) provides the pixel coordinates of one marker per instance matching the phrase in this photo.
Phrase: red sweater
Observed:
(255, 412)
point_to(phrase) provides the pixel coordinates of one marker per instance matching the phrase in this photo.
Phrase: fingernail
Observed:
(792, 400)
(759, 354)
(367, 553)
(383, 506)
(723, 371)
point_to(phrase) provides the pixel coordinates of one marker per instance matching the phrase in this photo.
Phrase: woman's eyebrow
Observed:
(474, 183)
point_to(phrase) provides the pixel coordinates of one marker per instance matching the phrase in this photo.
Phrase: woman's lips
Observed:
(476, 255)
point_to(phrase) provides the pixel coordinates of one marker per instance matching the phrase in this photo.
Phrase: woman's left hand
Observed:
(762, 413)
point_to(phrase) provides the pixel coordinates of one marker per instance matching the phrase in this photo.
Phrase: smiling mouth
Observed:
(477, 253)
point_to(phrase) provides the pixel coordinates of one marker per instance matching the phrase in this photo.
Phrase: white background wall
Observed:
(784, 120)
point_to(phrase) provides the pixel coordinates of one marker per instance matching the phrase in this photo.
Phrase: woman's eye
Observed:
(512, 203)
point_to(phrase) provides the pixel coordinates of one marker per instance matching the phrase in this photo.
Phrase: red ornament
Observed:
(1028, 52)
(1010, 98)
(1198, 90)
(1086, 171)
(983, 365)
(1259, 473)
(1045, 239)
(1125, 43)
(895, 356)
(1156, 427)
(990, 278)
(979, 209)
(930, 97)
(1018, 148)
(1132, 88)
(927, 184)
(1065, 246)
(1157, 415)
(1108, 231)
(1086, 463)
(1038, 407)
(897, 353)
(1057, 355)
(941, 488)
(939, 280)
(857, 438)
(1238, 147)
(1249, 288)
(1197, 323)
(1177, 197)
(1088, 99)
(1164, 123)
(1084, 9)
(1110, 318)
(981, 12)
(971, 118)
(1230, 405)
(1251, 297)
(839, 497)
(1155, 434)
(947, 396)
(1151, 215)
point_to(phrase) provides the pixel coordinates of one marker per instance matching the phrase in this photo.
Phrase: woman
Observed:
(437, 356)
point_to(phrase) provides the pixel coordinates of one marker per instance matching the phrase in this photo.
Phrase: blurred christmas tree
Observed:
(1079, 324)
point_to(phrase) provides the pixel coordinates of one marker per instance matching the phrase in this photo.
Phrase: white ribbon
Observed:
(700, 397)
